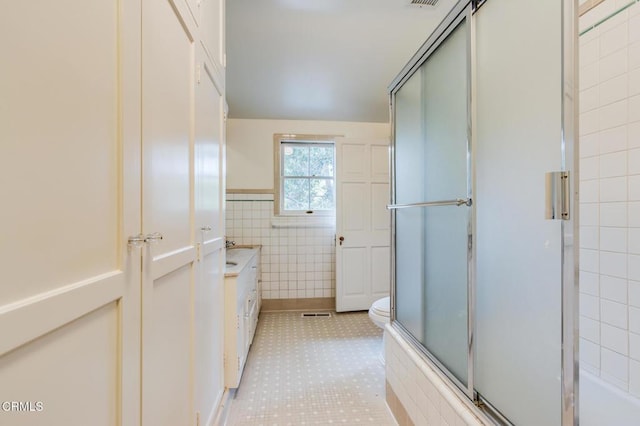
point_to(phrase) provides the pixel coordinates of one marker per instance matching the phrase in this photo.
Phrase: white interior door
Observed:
(70, 293)
(167, 208)
(362, 223)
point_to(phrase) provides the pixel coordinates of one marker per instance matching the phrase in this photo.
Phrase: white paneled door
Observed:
(167, 213)
(70, 196)
(362, 223)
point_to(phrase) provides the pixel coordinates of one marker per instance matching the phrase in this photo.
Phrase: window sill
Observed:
(303, 221)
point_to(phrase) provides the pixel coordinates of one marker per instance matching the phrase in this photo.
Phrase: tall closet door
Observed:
(167, 212)
(208, 286)
(69, 184)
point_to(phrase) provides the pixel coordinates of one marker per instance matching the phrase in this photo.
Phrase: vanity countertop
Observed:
(237, 259)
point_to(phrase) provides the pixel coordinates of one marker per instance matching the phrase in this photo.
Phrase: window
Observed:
(306, 176)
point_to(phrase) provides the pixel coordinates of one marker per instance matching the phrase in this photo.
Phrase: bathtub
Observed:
(602, 404)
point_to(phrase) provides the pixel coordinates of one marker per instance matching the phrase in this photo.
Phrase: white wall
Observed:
(250, 145)
(610, 194)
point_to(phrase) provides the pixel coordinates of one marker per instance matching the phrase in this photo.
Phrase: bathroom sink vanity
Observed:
(242, 302)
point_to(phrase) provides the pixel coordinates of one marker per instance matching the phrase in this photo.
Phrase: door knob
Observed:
(136, 240)
(341, 239)
(153, 238)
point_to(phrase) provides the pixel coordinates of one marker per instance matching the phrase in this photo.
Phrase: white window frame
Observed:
(279, 140)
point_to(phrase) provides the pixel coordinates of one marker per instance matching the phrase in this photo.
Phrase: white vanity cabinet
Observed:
(242, 306)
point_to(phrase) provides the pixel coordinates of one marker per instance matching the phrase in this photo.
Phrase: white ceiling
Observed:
(320, 59)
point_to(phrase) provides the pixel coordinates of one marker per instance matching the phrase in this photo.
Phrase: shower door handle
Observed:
(557, 196)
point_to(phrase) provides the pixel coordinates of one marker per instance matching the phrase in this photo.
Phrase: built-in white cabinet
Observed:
(242, 307)
(111, 309)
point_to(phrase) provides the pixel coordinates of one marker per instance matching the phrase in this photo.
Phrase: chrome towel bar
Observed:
(457, 202)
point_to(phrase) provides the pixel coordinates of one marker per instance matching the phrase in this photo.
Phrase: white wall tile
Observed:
(634, 267)
(615, 339)
(589, 122)
(634, 319)
(634, 214)
(634, 240)
(614, 264)
(589, 145)
(609, 67)
(590, 353)
(614, 39)
(634, 293)
(589, 214)
(613, 115)
(589, 237)
(634, 83)
(589, 306)
(613, 239)
(616, 21)
(614, 364)
(634, 161)
(590, 329)
(589, 75)
(634, 108)
(614, 189)
(612, 165)
(589, 53)
(612, 214)
(589, 168)
(590, 35)
(634, 346)
(634, 29)
(612, 140)
(634, 188)
(633, 57)
(589, 191)
(615, 314)
(613, 288)
(613, 90)
(634, 378)
(589, 260)
(590, 99)
(589, 283)
(610, 291)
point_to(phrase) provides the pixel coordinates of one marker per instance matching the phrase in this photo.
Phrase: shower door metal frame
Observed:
(461, 12)
(569, 227)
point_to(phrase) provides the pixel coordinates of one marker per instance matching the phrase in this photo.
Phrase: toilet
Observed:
(379, 314)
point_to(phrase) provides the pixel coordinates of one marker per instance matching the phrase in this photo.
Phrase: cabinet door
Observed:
(212, 25)
(69, 179)
(167, 208)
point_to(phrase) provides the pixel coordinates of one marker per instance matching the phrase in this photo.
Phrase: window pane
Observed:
(295, 160)
(321, 161)
(296, 194)
(321, 194)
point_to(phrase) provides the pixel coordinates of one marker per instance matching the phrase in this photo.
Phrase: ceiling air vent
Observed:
(424, 2)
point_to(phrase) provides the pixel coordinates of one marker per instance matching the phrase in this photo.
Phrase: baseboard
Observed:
(308, 304)
(220, 418)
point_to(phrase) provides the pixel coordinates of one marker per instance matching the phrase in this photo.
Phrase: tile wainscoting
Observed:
(298, 255)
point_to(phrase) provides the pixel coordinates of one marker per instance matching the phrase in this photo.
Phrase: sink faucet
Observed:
(229, 243)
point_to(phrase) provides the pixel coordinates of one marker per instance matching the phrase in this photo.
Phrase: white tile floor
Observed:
(320, 371)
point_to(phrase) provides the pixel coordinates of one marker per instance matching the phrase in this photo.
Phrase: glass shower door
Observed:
(524, 127)
(431, 210)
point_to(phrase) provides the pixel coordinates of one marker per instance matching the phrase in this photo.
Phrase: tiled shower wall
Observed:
(297, 261)
(610, 193)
